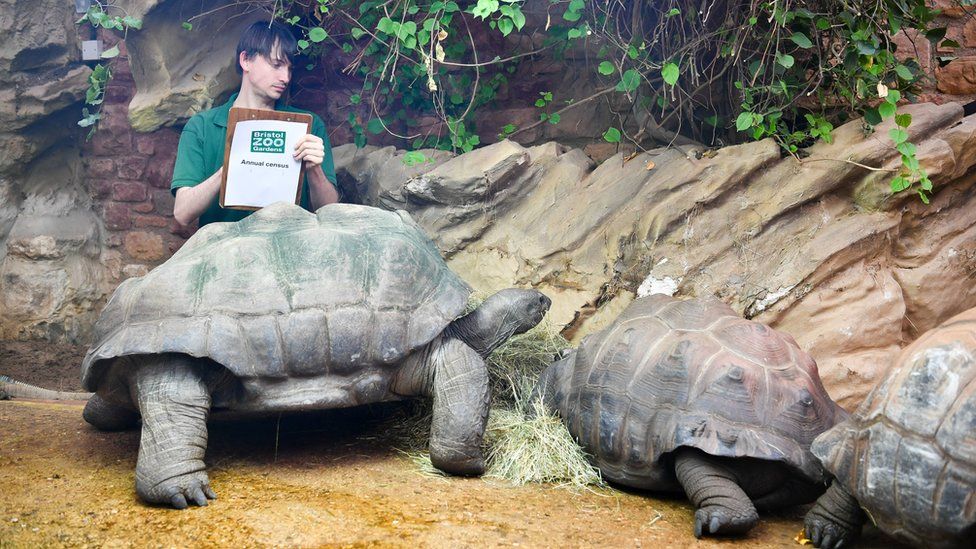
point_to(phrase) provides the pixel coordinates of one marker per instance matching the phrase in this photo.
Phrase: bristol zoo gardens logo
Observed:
(267, 142)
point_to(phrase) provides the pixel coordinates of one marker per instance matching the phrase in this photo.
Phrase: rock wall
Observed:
(50, 254)
(819, 248)
(128, 175)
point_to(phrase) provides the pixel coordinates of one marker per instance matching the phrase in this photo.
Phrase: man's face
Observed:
(268, 75)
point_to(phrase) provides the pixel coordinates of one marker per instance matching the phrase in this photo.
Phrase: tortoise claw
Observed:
(719, 520)
(178, 501)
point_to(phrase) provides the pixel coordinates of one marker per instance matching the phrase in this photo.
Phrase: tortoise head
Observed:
(504, 314)
(523, 309)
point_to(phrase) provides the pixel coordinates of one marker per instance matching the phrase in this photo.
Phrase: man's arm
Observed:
(311, 149)
(191, 202)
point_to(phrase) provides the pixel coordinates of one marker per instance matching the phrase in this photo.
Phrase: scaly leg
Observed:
(835, 520)
(174, 402)
(456, 377)
(722, 506)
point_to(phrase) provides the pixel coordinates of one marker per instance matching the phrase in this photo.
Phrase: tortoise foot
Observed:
(458, 464)
(720, 520)
(827, 534)
(179, 491)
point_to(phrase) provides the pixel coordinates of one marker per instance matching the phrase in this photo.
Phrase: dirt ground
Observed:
(329, 479)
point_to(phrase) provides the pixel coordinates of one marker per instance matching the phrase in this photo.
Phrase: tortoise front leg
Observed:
(456, 377)
(174, 402)
(722, 506)
(835, 520)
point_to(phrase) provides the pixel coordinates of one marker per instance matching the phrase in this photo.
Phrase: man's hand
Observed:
(310, 149)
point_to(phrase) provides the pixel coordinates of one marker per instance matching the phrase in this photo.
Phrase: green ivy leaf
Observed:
(629, 81)
(925, 183)
(906, 148)
(554, 118)
(904, 120)
(633, 52)
(904, 72)
(412, 158)
(894, 96)
(407, 29)
(899, 184)
(801, 40)
(111, 52)
(385, 25)
(574, 33)
(506, 26)
(518, 17)
(187, 26)
(670, 73)
(785, 59)
(886, 109)
(606, 68)
(673, 12)
(612, 135)
(574, 11)
(303, 45)
(374, 126)
(485, 8)
(898, 135)
(357, 33)
(355, 99)
(317, 34)
(744, 121)
(936, 34)
(133, 22)
(540, 103)
(872, 117)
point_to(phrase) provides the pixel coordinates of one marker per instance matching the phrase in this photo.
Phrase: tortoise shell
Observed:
(670, 373)
(284, 293)
(908, 453)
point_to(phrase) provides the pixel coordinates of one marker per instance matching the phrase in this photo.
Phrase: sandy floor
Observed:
(312, 480)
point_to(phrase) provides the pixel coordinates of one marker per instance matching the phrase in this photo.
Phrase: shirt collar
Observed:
(223, 111)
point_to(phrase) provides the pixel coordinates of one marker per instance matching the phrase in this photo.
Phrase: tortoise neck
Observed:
(484, 328)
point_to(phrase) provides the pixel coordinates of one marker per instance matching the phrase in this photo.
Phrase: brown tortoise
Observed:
(687, 395)
(908, 454)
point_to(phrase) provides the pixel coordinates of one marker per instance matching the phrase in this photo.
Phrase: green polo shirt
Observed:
(201, 154)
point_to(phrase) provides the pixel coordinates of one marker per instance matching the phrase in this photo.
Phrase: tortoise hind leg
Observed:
(835, 520)
(175, 402)
(456, 377)
(106, 416)
(722, 507)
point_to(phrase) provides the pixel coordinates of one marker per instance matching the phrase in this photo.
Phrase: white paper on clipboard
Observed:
(261, 169)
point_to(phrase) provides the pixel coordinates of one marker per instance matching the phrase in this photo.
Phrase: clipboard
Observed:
(238, 115)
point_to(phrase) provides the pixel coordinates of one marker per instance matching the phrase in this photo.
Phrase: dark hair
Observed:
(260, 39)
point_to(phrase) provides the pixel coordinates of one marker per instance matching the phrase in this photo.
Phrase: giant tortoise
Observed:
(907, 456)
(685, 394)
(288, 310)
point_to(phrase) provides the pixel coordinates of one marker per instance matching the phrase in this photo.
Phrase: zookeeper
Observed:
(264, 60)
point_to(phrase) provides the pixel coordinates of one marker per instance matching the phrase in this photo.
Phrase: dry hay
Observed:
(518, 449)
